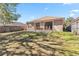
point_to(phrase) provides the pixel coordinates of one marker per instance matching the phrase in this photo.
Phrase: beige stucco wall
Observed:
(42, 27)
(75, 27)
(10, 28)
(58, 27)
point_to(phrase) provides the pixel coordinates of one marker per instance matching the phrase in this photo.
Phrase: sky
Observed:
(31, 11)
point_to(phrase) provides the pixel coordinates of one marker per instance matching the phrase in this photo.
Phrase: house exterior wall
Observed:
(10, 28)
(13, 26)
(30, 27)
(56, 26)
(42, 25)
(75, 27)
(46, 24)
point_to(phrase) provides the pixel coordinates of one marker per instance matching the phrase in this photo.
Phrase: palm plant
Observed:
(8, 12)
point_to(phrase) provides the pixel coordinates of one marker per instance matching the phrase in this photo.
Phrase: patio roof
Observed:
(47, 18)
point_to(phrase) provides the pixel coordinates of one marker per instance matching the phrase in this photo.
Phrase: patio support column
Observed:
(34, 26)
(43, 26)
(53, 25)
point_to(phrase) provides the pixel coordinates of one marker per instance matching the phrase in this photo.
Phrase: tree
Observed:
(8, 12)
(68, 22)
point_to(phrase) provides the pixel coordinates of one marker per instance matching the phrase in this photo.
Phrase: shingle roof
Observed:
(13, 24)
(47, 18)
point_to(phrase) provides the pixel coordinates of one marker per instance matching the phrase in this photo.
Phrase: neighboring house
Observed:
(47, 23)
(14, 26)
(75, 26)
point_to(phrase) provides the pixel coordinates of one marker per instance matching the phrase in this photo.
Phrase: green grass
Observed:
(64, 35)
(32, 35)
(71, 40)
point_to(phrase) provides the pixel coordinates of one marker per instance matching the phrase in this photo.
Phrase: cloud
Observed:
(46, 8)
(32, 17)
(67, 3)
(74, 12)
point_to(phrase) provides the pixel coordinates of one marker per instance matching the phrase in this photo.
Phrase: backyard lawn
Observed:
(40, 44)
